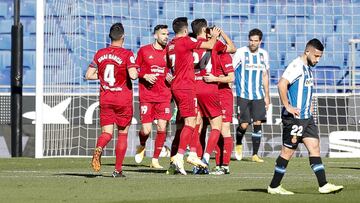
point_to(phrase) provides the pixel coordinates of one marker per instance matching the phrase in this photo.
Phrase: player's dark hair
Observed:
(197, 25)
(316, 44)
(256, 32)
(208, 29)
(116, 31)
(191, 34)
(179, 24)
(159, 27)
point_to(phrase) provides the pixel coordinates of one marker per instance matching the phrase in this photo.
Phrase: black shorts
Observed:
(250, 110)
(294, 130)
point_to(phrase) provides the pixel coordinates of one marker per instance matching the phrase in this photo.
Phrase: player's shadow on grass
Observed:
(346, 167)
(262, 190)
(147, 170)
(85, 175)
(128, 165)
(247, 159)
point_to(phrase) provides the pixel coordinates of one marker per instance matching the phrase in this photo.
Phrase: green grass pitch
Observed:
(72, 180)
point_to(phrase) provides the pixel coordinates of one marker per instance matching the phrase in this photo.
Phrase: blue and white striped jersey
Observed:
(300, 89)
(249, 68)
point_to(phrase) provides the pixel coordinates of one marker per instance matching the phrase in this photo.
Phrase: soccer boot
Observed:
(330, 188)
(96, 159)
(117, 174)
(205, 170)
(194, 160)
(196, 170)
(172, 168)
(155, 164)
(278, 191)
(238, 152)
(140, 153)
(179, 163)
(217, 171)
(256, 158)
(225, 169)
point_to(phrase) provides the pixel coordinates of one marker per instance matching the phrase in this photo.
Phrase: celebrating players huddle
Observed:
(196, 70)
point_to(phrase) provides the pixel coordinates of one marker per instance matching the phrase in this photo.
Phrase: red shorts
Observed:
(151, 111)
(186, 102)
(208, 101)
(110, 114)
(227, 104)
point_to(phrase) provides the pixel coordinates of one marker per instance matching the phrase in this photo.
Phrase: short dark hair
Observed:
(255, 32)
(159, 27)
(179, 24)
(197, 25)
(116, 31)
(316, 44)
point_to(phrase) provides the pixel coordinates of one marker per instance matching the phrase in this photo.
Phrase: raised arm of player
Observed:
(229, 43)
(283, 90)
(210, 43)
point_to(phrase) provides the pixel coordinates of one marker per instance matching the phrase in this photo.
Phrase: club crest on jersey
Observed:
(151, 57)
(132, 59)
(309, 82)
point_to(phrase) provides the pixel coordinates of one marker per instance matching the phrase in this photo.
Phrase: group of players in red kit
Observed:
(196, 72)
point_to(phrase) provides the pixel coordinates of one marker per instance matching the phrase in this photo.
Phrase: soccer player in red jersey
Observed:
(225, 143)
(180, 60)
(154, 93)
(207, 63)
(115, 67)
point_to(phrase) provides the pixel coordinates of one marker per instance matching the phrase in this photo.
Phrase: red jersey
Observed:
(112, 64)
(179, 53)
(207, 61)
(226, 68)
(153, 61)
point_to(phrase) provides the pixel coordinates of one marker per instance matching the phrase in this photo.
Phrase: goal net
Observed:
(75, 29)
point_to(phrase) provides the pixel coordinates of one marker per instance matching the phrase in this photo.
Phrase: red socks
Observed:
(120, 150)
(228, 147)
(195, 139)
(223, 151)
(212, 141)
(159, 142)
(103, 140)
(185, 138)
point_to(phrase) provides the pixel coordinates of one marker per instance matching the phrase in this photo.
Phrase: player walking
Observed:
(154, 93)
(295, 90)
(115, 67)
